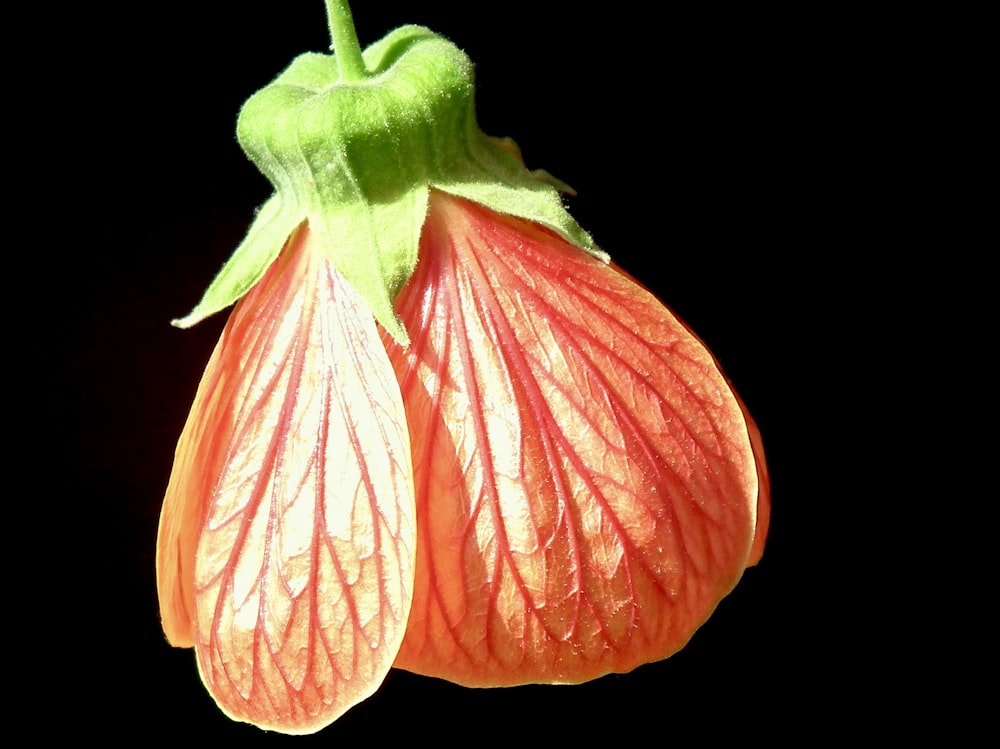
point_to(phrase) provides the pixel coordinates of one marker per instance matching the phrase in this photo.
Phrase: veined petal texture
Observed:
(288, 533)
(586, 485)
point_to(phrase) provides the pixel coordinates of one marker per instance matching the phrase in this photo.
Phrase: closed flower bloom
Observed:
(441, 430)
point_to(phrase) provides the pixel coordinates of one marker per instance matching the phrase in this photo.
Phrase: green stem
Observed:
(345, 42)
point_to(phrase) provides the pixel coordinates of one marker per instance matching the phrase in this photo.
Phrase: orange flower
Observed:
(286, 543)
(586, 480)
(440, 430)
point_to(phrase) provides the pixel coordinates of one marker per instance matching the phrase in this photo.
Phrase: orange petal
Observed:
(287, 536)
(586, 483)
(763, 489)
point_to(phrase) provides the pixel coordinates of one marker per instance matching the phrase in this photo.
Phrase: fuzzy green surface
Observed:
(357, 160)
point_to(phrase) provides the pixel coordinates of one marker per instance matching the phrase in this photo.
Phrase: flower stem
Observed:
(345, 42)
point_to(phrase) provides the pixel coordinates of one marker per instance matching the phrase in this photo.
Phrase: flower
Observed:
(441, 430)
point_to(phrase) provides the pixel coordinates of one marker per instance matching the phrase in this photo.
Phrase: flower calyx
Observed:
(356, 160)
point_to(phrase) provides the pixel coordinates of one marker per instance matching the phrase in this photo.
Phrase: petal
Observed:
(763, 489)
(293, 481)
(586, 484)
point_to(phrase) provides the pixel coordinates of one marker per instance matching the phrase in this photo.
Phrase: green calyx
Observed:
(357, 158)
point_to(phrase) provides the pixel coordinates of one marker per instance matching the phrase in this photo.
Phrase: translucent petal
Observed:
(287, 538)
(586, 485)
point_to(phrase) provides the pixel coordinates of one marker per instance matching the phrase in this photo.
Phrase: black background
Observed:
(699, 147)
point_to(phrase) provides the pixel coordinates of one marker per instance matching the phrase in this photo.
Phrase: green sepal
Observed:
(376, 250)
(501, 182)
(357, 159)
(263, 242)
